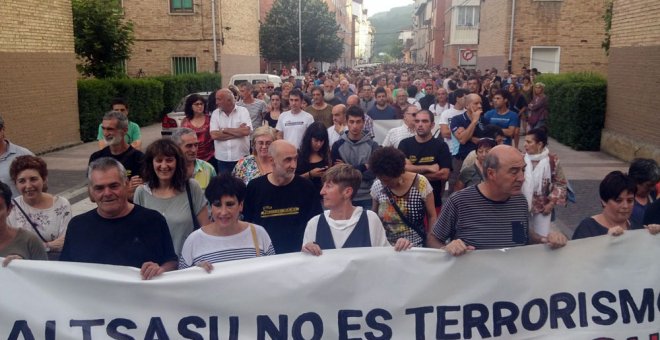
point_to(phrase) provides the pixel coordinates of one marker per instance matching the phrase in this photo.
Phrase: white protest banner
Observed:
(382, 126)
(605, 287)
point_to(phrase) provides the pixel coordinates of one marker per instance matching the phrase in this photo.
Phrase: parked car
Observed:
(254, 78)
(173, 119)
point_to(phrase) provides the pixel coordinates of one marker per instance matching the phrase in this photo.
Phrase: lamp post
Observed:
(300, 69)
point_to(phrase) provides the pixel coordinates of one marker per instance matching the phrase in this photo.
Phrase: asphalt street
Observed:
(67, 176)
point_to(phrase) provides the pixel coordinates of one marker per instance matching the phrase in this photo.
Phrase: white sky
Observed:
(377, 6)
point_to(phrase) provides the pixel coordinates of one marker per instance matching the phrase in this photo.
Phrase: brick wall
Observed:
(161, 35)
(631, 123)
(38, 83)
(575, 26)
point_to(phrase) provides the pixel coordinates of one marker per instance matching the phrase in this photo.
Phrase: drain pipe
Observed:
(513, 20)
(215, 38)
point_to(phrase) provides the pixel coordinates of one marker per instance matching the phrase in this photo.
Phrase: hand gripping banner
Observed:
(599, 288)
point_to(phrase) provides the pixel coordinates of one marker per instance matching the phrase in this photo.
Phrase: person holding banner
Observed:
(345, 225)
(118, 232)
(493, 214)
(226, 238)
(617, 195)
(16, 243)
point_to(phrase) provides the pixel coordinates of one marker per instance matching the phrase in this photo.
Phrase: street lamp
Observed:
(300, 69)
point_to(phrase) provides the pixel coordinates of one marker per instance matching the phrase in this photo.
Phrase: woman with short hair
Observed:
(402, 199)
(226, 237)
(617, 196)
(259, 163)
(46, 216)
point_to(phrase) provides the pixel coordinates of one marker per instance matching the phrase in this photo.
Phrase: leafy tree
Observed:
(102, 38)
(278, 36)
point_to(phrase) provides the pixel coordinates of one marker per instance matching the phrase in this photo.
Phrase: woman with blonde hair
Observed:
(259, 163)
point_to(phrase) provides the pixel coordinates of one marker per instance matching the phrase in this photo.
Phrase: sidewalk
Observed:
(585, 169)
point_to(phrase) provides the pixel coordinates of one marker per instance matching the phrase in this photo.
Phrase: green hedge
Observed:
(148, 98)
(577, 108)
(94, 98)
(144, 96)
(176, 87)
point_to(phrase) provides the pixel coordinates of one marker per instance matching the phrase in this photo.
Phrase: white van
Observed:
(254, 78)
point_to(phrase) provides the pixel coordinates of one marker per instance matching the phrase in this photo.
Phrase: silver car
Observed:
(173, 119)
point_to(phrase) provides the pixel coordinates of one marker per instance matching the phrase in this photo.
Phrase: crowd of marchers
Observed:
(256, 170)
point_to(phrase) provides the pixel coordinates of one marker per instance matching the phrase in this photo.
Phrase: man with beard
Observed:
(382, 110)
(329, 93)
(320, 110)
(344, 91)
(282, 202)
(133, 136)
(115, 127)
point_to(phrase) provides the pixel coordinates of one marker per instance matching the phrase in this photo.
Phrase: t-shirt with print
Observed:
(434, 151)
(293, 126)
(282, 210)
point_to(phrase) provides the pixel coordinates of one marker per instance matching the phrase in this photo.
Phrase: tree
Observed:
(102, 37)
(278, 36)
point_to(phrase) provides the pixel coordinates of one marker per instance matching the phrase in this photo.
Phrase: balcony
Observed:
(464, 35)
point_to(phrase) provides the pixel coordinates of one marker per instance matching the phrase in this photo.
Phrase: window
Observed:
(468, 16)
(545, 58)
(181, 6)
(183, 65)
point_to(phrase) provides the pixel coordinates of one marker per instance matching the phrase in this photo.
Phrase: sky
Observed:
(377, 6)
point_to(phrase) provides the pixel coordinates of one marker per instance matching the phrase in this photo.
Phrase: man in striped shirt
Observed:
(493, 214)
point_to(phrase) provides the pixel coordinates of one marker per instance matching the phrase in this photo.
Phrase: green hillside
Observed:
(388, 25)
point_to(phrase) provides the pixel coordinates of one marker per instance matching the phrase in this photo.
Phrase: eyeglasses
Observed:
(270, 87)
(263, 143)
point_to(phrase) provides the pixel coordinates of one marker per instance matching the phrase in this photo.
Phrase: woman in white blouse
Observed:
(36, 210)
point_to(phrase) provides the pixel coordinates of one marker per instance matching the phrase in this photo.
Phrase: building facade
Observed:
(363, 34)
(461, 37)
(631, 122)
(552, 36)
(38, 88)
(187, 36)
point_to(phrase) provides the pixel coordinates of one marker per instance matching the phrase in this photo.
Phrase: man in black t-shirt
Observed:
(427, 155)
(118, 232)
(115, 126)
(282, 202)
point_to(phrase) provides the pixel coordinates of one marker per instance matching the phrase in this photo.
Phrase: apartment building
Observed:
(187, 36)
(552, 36)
